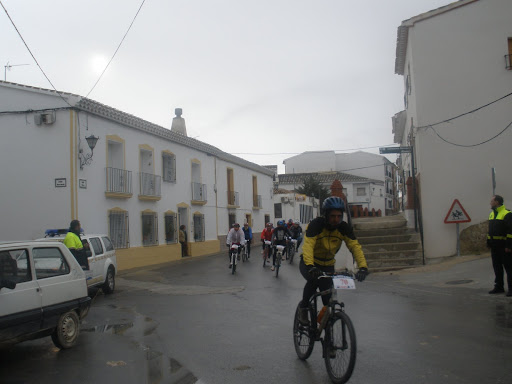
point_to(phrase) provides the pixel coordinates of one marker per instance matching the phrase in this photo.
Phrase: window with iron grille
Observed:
(170, 228)
(278, 210)
(231, 220)
(169, 167)
(361, 192)
(199, 227)
(149, 229)
(118, 228)
(306, 213)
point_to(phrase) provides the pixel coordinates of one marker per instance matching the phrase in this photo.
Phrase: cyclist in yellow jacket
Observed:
(323, 239)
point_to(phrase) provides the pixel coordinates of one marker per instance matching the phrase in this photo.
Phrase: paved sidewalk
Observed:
(472, 271)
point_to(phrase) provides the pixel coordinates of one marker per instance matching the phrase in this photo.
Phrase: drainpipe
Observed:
(216, 200)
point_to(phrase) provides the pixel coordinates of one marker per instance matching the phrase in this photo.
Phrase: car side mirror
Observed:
(6, 283)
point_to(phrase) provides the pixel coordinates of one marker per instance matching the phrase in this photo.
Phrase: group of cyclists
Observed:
(323, 239)
(281, 235)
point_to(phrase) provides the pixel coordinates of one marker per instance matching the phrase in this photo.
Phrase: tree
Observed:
(312, 187)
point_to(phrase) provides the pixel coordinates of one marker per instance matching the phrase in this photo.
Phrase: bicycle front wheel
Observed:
(233, 263)
(302, 339)
(340, 348)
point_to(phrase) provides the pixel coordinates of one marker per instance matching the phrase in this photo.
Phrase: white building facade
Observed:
(289, 205)
(454, 60)
(373, 167)
(360, 192)
(141, 183)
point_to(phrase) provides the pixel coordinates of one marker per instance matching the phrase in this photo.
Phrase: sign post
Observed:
(457, 214)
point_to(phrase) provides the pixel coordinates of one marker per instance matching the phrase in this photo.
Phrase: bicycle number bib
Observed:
(343, 282)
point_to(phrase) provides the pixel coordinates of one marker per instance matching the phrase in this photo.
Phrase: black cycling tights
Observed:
(312, 284)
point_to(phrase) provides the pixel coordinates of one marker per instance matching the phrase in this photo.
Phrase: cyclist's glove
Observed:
(314, 272)
(361, 274)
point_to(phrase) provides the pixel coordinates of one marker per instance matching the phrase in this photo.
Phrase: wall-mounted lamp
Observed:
(86, 159)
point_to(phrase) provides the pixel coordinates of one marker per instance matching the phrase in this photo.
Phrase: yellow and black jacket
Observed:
(321, 244)
(500, 228)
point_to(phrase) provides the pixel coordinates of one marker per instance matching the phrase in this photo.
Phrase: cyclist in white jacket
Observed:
(235, 236)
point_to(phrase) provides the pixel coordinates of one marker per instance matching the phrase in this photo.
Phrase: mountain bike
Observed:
(279, 257)
(292, 245)
(233, 255)
(245, 253)
(266, 251)
(338, 341)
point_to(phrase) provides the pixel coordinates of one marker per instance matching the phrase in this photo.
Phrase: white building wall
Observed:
(362, 164)
(291, 207)
(456, 62)
(33, 156)
(307, 162)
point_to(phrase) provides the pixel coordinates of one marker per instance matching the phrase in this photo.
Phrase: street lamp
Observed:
(86, 159)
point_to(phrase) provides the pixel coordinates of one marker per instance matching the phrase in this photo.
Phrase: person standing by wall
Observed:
(248, 237)
(499, 240)
(182, 237)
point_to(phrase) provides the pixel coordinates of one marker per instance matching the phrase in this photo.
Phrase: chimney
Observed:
(178, 123)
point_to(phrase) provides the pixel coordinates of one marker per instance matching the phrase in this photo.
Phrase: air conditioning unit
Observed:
(285, 200)
(48, 118)
(44, 118)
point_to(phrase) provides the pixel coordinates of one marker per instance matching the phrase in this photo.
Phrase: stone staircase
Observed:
(387, 242)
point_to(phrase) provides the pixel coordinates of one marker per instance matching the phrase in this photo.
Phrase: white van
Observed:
(42, 292)
(100, 266)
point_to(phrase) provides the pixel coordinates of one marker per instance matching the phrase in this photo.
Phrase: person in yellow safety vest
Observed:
(499, 240)
(72, 239)
(323, 239)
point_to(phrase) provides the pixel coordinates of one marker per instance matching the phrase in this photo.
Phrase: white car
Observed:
(100, 265)
(42, 292)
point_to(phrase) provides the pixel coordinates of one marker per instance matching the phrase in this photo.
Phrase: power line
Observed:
(471, 145)
(465, 113)
(119, 46)
(298, 153)
(31, 54)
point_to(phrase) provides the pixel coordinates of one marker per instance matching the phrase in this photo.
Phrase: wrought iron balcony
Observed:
(150, 185)
(199, 192)
(118, 181)
(233, 198)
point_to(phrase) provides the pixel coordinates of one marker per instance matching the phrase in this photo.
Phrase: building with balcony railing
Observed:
(120, 175)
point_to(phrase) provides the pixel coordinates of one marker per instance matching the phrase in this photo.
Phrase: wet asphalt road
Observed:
(193, 322)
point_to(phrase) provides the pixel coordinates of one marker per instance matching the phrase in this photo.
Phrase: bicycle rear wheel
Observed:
(278, 263)
(291, 252)
(340, 348)
(302, 339)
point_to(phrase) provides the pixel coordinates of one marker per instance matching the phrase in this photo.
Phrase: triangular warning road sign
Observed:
(457, 214)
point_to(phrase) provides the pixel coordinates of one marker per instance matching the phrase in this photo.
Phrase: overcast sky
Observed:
(269, 78)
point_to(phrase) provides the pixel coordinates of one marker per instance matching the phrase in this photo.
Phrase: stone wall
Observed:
(473, 240)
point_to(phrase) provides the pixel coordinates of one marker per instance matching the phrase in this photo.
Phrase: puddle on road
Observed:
(141, 325)
(162, 369)
(503, 315)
